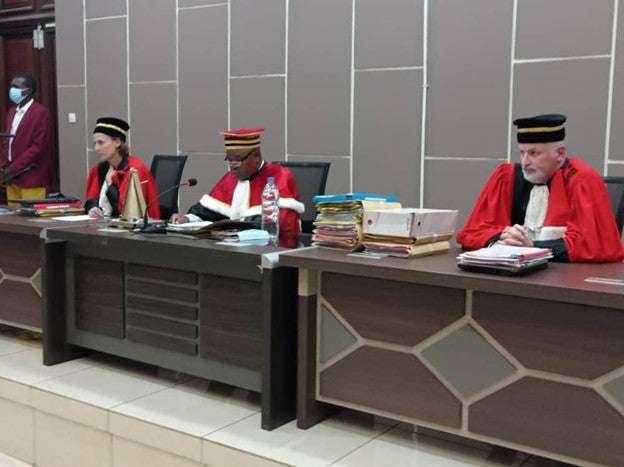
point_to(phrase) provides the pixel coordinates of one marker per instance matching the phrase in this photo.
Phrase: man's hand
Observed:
(515, 235)
(179, 219)
(96, 212)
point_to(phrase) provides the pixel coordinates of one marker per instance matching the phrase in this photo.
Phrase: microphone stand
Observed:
(161, 228)
(8, 176)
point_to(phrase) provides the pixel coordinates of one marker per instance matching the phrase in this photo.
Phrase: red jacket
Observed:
(32, 144)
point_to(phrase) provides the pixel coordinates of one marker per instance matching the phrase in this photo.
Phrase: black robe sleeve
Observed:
(205, 214)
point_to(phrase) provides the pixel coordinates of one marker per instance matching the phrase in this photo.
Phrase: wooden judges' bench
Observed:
(223, 313)
(534, 363)
(21, 285)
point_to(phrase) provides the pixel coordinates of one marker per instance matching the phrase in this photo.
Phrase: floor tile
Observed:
(401, 447)
(70, 409)
(61, 443)
(10, 344)
(197, 408)
(26, 367)
(215, 454)
(103, 387)
(135, 367)
(8, 461)
(129, 454)
(318, 446)
(17, 434)
(156, 436)
(13, 391)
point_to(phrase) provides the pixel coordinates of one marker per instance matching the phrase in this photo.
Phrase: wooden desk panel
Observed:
(20, 270)
(190, 305)
(534, 363)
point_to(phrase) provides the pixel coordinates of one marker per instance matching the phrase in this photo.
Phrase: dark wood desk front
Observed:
(219, 312)
(20, 269)
(534, 363)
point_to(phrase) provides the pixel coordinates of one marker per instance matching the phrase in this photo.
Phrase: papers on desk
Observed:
(218, 229)
(189, 227)
(83, 217)
(505, 259)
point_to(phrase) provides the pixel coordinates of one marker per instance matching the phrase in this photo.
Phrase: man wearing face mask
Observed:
(26, 156)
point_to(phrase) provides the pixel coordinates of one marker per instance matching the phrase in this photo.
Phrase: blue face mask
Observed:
(15, 94)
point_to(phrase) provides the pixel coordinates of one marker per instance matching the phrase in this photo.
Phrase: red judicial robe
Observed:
(578, 203)
(32, 144)
(117, 193)
(235, 198)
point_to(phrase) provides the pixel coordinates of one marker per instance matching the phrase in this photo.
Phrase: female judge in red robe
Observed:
(108, 180)
(548, 200)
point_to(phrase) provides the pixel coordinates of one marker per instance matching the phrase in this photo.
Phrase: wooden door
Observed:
(18, 19)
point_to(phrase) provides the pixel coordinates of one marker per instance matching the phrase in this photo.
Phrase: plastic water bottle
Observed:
(270, 210)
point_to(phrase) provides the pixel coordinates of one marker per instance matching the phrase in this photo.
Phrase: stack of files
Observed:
(52, 207)
(505, 259)
(407, 247)
(338, 222)
(408, 232)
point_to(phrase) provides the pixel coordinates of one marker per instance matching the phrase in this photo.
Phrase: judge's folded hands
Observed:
(178, 218)
(515, 235)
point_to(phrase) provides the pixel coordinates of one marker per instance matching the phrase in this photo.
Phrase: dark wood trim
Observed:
(279, 369)
(55, 346)
(16, 23)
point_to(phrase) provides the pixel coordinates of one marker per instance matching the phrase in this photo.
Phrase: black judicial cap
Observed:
(111, 126)
(545, 128)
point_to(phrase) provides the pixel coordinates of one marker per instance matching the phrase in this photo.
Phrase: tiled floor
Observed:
(107, 411)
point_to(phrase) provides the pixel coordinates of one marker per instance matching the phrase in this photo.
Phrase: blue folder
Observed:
(353, 197)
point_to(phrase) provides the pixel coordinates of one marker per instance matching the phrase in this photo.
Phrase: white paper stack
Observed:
(504, 258)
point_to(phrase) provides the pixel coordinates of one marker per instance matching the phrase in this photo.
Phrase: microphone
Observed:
(147, 228)
(8, 175)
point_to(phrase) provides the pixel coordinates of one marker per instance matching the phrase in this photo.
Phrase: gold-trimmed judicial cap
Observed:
(111, 126)
(545, 128)
(242, 138)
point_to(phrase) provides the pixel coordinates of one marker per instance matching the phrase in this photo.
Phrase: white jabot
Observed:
(240, 200)
(103, 202)
(536, 211)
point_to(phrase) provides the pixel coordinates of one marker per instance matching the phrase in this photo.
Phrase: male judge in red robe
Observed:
(547, 200)
(26, 157)
(238, 194)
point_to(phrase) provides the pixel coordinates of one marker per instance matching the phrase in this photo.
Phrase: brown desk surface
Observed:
(563, 282)
(28, 225)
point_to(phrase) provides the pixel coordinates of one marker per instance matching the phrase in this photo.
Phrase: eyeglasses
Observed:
(234, 164)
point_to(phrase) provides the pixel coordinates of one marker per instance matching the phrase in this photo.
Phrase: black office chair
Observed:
(167, 170)
(311, 178)
(615, 187)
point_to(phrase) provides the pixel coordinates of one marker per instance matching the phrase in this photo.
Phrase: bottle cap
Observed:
(271, 180)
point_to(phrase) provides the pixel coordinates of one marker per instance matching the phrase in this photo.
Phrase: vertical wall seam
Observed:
(86, 87)
(512, 53)
(177, 74)
(605, 168)
(128, 67)
(286, 32)
(352, 101)
(229, 64)
(425, 90)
